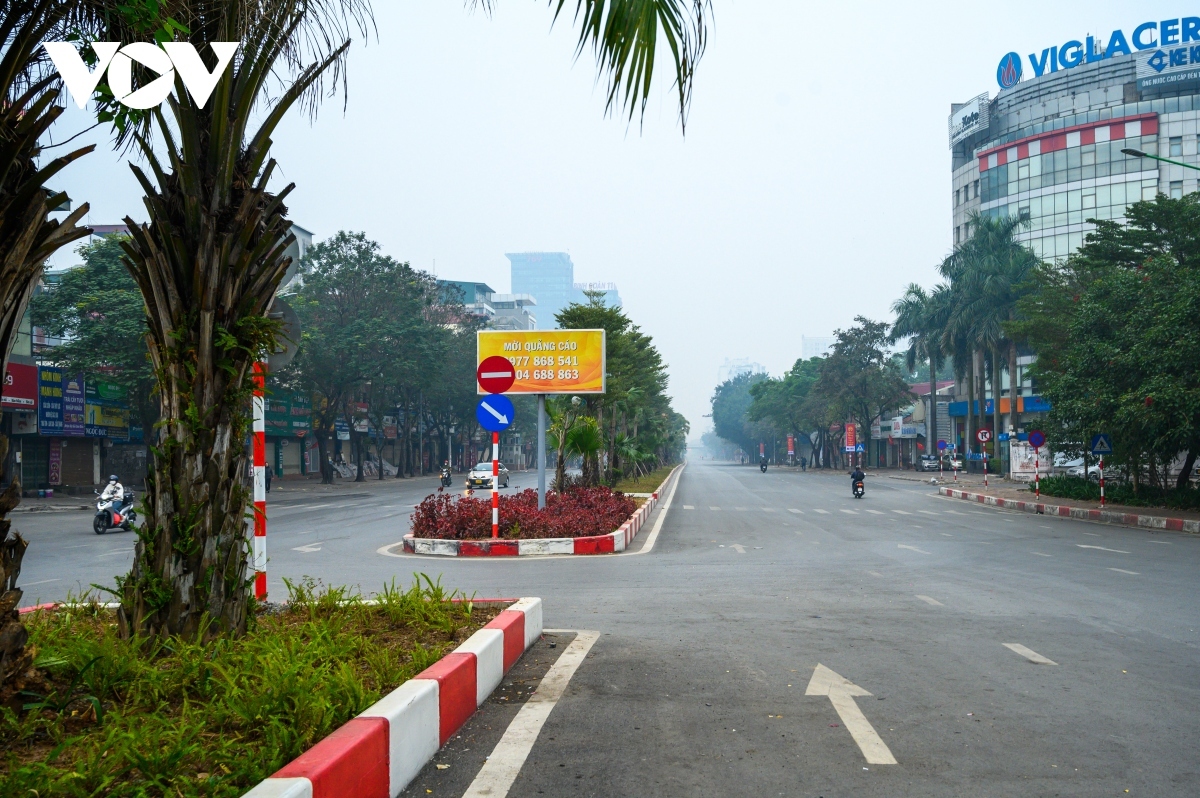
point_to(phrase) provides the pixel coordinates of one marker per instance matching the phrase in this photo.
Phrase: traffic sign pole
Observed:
(985, 479)
(259, 467)
(541, 455)
(1101, 482)
(495, 485)
(1037, 472)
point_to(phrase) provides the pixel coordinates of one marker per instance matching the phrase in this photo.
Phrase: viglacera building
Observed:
(1049, 147)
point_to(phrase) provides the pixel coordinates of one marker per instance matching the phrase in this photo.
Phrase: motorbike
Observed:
(763, 466)
(109, 515)
(859, 489)
(446, 478)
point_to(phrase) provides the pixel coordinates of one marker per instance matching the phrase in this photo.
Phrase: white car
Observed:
(1093, 472)
(481, 476)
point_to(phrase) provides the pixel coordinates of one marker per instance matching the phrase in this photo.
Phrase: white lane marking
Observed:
(841, 692)
(1038, 553)
(1029, 654)
(498, 773)
(876, 512)
(1101, 548)
(42, 582)
(822, 512)
(662, 515)
(900, 512)
(947, 534)
(738, 547)
(929, 600)
(768, 509)
(1164, 542)
(926, 512)
(1123, 571)
(714, 508)
(740, 508)
(875, 573)
(1093, 534)
(955, 512)
(850, 512)
(111, 553)
(910, 548)
(794, 510)
(309, 548)
(688, 507)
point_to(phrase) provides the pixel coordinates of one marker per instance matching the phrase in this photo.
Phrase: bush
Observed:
(575, 513)
(1081, 489)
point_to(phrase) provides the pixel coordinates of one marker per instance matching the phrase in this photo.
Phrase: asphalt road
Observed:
(708, 643)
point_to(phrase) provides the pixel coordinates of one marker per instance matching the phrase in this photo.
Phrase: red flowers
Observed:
(578, 512)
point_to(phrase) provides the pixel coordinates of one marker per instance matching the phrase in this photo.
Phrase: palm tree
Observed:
(587, 441)
(27, 238)
(921, 318)
(211, 258)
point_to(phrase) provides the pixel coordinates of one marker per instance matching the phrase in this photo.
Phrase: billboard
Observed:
(970, 118)
(549, 361)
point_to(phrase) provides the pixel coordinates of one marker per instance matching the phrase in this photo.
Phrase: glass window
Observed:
(1176, 189)
(1089, 199)
(1103, 196)
(1176, 146)
(977, 188)
(1149, 189)
(1087, 155)
(1118, 195)
(1060, 202)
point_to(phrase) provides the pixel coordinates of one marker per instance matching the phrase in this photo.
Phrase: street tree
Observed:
(921, 318)
(29, 93)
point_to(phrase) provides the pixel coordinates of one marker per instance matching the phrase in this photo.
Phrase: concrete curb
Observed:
(1081, 513)
(379, 752)
(598, 544)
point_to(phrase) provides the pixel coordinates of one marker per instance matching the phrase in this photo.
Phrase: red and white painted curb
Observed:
(597, 544)
(377, 754)
(1081, 513)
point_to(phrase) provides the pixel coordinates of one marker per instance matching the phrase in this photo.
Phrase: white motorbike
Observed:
(109, 515)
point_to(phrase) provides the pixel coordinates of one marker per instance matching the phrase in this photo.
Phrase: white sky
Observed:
(813, 183)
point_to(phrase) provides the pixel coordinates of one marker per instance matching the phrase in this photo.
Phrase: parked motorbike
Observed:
(109, 515)
(446, 478)
(859, 489)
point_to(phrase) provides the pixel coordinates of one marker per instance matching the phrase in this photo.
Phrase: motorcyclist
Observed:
(115, 491)
(856, 476)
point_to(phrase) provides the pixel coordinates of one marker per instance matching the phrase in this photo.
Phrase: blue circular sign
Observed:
(495, 412)
(1008, 74)
(1037, 439)
(942, 445)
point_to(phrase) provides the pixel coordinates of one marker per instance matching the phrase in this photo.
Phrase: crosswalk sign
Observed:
(859, 448)
(1102, 444)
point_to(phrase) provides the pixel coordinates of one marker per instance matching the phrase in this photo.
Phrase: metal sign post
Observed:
(495, 485)
(1101, 445)
(259, 468)
(1037, 439)
(541, 453)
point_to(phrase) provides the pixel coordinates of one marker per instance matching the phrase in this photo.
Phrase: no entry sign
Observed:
(496, 374)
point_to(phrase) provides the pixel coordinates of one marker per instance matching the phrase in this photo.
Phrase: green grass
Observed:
(171, 718)
(647, 484)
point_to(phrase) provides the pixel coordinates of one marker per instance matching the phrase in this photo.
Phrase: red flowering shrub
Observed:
(576, 513)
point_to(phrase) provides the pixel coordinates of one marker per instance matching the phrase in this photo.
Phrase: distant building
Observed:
(610, 298)
(514, 312)
(732, 369)
(816, 347)
(547, 276)
(477, 297)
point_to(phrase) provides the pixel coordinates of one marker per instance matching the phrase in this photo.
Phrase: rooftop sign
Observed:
(971, 117)
(1166, 35)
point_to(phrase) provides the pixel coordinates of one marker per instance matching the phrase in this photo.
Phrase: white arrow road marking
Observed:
(1029, 654)
(1101, 548)
(1123, 571)
(910, 548)
(739, 547)
(501, 768)
(503, 419)
(841, 692)
(929, 600)
(310, 547)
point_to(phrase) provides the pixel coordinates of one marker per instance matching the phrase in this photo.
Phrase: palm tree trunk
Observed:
(969, 433)
(996, 400)
(931, 432)
(1014, 389)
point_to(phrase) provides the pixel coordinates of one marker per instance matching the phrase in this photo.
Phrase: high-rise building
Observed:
(514, 312)
(477, 297)
(818, 346)
(732, 369)
(609, 290)
(549, 277)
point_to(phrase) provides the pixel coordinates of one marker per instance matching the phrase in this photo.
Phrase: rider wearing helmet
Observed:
(116, 491)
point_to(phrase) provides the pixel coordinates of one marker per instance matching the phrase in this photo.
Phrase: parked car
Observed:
(481, 476)
(928, 462)
(1093, 472)
(954, 461)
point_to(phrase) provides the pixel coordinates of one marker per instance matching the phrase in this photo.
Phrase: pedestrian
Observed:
(268, 469)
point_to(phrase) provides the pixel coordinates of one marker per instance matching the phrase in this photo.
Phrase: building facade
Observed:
(548, 276)
(514, 312)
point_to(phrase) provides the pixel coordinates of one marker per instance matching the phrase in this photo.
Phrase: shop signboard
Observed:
(277, 414)
(50, 400)
(54, 469)
(548, 361)
(390, 428)
(20, 387)
(73, 405)
(103, 392)
(300, 416)
(103, 421)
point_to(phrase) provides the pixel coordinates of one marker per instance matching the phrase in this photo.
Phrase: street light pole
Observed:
(1139, 154)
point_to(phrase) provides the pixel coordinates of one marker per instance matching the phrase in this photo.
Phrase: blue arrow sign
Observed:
(1102, 444)
(495, 412)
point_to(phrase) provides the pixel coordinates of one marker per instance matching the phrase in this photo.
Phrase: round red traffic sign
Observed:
(984, 435)
(496, 374)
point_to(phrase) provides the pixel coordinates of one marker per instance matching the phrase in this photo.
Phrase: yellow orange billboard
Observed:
(549, 361)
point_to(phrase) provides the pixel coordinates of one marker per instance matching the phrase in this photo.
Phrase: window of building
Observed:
(1176, 185)
(957, 197)
(1176, 146)
(957, 240)
(1023, 214)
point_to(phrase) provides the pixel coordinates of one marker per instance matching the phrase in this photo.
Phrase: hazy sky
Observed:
(813, 183)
